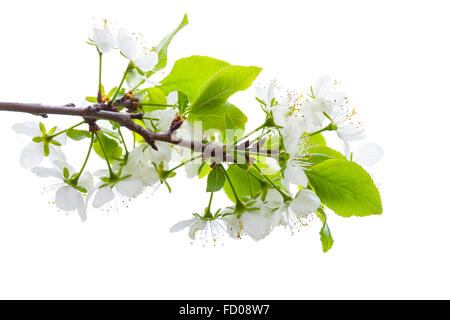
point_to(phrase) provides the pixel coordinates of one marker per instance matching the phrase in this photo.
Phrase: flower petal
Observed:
(172, 97)
(305, 202)
(322, 87)
(102, 196)
(181, 225)
(147, 61)
(47, 172)
(103, 38)
(127, 43)
(256, 225)
(67, 198)
(368, 154)
(196, 226)
(32, 155)
(130, 187)
(295, 174)
(30, 128)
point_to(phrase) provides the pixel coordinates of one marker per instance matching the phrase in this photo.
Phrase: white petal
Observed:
(32, 155)
(86, 180)
(295, 174)
(126, 43)
(273, 196)
(101, 173)
(103, 38)
(256, 225)
(192, 169)
(102, 196)
(82, 210)
(196, 226)
(47, 172)
(322, 87)
(29, 128)
(164, 152)
(368, 154)
(233, 226)
(130, 187)
(172, 98)
(62, 138)
(305, 202)
(181, 225)
(56, 154)
(165, 117)
(280, 115)
(147, 61)
(292, 134)
(67, 198)
(61, 164)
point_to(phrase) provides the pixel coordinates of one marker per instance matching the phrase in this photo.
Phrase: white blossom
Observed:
(33, 154)
(68, 198)
(128, 45)
(103, 38)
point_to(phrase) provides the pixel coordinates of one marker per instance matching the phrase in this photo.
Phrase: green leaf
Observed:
(190, 74)
(161, 48)
(204, 170)
(77, 135)
(316, 139)
(345, 187)
(183, 102)
(46, 149)
(325, 233)
(220, 117)
(244, 183)
(112, 149)
(42, 128)
(326, 151)
(91, 99)
(66, 172)
(153, 95)
(223, 85)
(216, 179)
(326, 238)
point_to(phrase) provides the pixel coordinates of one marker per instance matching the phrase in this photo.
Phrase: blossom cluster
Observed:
(280, 174)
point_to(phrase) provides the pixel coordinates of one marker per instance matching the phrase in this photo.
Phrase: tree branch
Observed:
(123, 119)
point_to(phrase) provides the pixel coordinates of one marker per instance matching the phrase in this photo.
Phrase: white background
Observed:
(392, 57)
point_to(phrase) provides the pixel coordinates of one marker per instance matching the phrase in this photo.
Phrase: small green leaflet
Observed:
(77, 135)
(112, 149)
(190, 74)
(345, 187)
(216, 179)
(325, 233)
(161, 48)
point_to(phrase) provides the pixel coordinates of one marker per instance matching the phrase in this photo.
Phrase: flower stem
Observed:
(250, 133)
(121, 83)
(182, 164)
(111, 172)
(238, 201)
(87, 157)
(284, 195)
(155, 104)
(63, 131)
(138, 85)
(123, 142)
(327, 128)
(100, 73)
